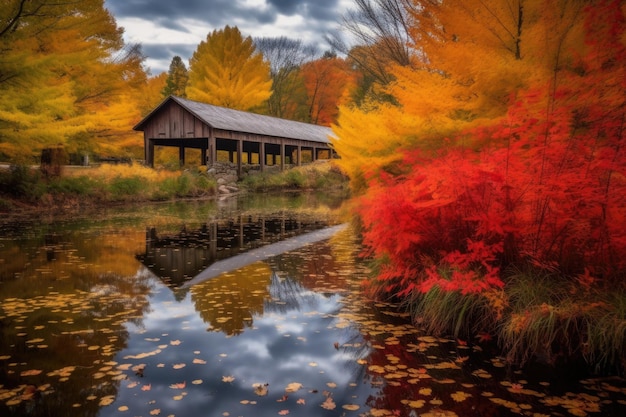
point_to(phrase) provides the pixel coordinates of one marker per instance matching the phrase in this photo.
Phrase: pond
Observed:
(244, 307)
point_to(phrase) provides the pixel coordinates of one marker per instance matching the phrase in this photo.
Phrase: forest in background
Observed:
(68, 80)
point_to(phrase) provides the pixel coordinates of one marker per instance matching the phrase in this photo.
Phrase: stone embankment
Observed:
(225, 175)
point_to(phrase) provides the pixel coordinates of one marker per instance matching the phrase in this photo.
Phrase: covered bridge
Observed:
(239, 136)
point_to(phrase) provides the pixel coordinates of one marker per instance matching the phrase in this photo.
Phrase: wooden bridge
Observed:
(244, 137)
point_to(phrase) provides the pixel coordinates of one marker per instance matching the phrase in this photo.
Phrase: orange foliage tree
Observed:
(505, 147)
(329, 82)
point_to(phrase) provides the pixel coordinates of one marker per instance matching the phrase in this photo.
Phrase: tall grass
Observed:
(538, 316)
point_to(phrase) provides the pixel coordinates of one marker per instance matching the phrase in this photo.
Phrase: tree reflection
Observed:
(62, 319)
(229, 302)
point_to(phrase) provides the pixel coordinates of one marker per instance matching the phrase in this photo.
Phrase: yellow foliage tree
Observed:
(66, 79)
(225, 70)
(470, 57)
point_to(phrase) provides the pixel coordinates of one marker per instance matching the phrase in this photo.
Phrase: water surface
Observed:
(98, 318)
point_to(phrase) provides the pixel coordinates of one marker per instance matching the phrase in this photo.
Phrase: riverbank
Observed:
(25, 190)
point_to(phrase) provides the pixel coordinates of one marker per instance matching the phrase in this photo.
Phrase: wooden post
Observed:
(239, 157)
(282, 155)
(262, 155)
(181, 155)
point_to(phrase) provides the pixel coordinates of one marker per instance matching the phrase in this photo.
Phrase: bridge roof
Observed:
(239, 121)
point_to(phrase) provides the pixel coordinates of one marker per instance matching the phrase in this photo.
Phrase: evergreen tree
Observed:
(177, 78)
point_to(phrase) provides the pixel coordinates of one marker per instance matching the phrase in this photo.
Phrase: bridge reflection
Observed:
(177, 257)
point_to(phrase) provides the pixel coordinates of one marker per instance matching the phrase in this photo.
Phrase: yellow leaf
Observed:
(293, 387)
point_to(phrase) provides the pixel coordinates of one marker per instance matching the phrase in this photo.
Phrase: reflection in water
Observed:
(178, 257)
(229, 302)
(88, 330)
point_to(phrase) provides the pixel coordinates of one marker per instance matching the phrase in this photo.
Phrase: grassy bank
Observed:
(25, 188)
(320, 175)
(537, 316)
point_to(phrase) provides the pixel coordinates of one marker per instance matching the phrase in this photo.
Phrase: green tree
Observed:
(177, 78)
(226, 70)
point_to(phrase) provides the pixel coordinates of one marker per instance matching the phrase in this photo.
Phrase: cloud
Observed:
(168, 28)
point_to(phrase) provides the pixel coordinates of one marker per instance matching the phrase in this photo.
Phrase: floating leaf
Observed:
(146, 387)
(199, 361)
(122, 408)
(293, 387)
(155, 412)
(175, 342)
(178, 366)
(283, 412)
(260, 389)
(179, 385)
(104, 401)
(301, 401)
(460, 396)
(30, 372)
(228, 378)
(331, 385)
(329, 404)
(351, 407)
(196, 381)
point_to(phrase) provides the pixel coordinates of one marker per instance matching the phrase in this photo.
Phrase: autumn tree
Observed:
(177, 77)
(65, 78)
(226, 70)
(329, 82)
(498, 150)
(286, 56)
(380, 38)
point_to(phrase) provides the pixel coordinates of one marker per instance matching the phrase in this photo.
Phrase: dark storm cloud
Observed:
(319, 17)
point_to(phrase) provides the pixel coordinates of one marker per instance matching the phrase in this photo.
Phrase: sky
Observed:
(167, 28)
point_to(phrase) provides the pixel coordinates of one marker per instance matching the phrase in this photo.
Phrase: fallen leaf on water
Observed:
(460, 396)
(228, 378)
(260, 389)
(177, 397)
(283, 412)
(179, 385)
(146, 387)
(282, 399)
(196, 381)
(155, 412)
(301, 401)
(331, 385)
(104, 401)
(293, 387)
(415, 403)
(122, 408)
(329, 404)
(30, 372)
(175, 342)
(351, 407)
(178, 365)
(199, 361)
